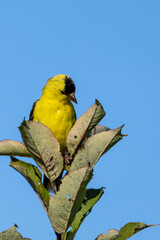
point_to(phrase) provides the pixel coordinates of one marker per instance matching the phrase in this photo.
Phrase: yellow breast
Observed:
(59, 116)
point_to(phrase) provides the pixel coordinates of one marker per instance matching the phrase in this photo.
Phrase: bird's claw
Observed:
(67, 159)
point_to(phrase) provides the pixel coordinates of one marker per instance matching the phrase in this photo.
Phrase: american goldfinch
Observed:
(54, 108)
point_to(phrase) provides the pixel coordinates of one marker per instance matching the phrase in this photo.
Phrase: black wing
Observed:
(32, 110)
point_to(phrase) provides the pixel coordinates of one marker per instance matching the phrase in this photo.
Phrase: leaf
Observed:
(98, 129)
(92, 196)
(83, 126)
(94, 147)
(132, 228)
(43, 147)
(33, 176)
(111, 235)
(125, 232)
(13, 148)
(67, 201)
(101, 128)
(12, 233)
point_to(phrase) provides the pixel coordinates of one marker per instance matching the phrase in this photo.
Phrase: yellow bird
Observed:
(54, 108)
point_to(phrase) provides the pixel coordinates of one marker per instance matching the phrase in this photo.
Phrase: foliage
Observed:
(125, 232)
(12, 233)
(72, 201)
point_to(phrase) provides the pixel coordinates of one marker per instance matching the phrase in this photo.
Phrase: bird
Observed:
(55, 109)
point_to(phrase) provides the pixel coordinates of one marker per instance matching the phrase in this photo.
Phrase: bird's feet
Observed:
(67, 159)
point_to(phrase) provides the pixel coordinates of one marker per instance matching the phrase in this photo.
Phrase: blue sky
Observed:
(111, 50)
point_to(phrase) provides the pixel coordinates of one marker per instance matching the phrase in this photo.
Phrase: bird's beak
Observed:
(72, 97)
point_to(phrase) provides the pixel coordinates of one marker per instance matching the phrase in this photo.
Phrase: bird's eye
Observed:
(62, 92)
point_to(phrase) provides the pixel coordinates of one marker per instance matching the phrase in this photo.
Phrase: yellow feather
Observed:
(55, 110)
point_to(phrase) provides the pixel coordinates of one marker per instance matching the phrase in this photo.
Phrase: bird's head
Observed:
(61, 87)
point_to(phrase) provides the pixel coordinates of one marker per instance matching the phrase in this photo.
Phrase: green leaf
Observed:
(33, 176)
(13, 148)
(125, 232)
(67, 201)
(92, 196)
(94, 147)
(111, 235)
(131, 228)
(83, 126)
(98, 129)
(43, 147)
(12, 234)
(101, 128)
